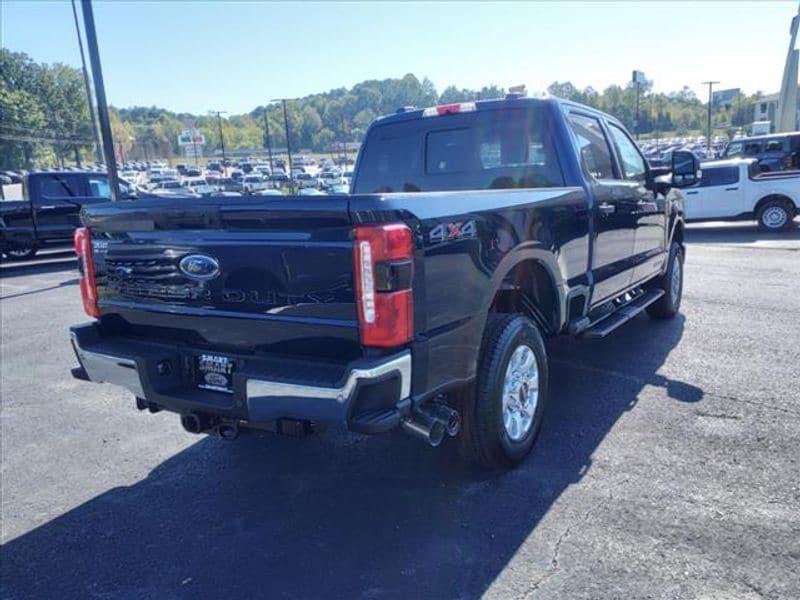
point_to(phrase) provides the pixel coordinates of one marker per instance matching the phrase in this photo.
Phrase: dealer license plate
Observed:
(215, 372)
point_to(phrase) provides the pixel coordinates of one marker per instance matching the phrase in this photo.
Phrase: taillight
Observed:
(83, 248)
(383, 271)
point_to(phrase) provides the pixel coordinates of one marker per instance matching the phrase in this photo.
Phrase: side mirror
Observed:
(685, 169)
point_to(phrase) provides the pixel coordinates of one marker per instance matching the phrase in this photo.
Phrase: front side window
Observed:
(633, 165)
(593, 146)
(718, 176)
(734, 149)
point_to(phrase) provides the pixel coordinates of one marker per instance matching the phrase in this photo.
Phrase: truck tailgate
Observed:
(247, 273)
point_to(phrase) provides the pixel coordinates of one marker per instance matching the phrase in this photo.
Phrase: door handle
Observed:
(733, 189)
(606, 208)
(47, 207)
(691, 193)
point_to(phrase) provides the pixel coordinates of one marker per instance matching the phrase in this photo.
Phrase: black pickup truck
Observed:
(49, 211)
(422, 300)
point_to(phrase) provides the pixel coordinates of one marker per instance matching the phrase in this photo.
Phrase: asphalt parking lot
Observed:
(668, 467)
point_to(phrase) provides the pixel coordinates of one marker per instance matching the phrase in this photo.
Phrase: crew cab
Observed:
(420, 301)
(737, 189)
(49, 211)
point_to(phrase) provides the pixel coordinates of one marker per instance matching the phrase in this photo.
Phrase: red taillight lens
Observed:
(383, 273)
(83, 248)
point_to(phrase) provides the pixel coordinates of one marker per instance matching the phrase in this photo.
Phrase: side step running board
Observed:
(609, 322)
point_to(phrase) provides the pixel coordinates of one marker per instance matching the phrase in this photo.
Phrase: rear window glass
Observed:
(59, 186)
(486, 149)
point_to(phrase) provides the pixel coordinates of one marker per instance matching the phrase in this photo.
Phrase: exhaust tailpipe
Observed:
(432, 432)
(450, 418)
(197, 422)
(228, 431)
(431, 423)
(191, 423)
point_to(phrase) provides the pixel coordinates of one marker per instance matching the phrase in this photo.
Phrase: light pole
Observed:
(102, 106)
(221, 137)
(710, 85)
(268, 140)
(98, 149)
(288, 143)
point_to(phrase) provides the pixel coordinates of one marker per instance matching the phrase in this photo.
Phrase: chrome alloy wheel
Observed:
(520, 393)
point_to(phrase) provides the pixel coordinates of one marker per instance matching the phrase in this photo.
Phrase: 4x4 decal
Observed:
(444, 232)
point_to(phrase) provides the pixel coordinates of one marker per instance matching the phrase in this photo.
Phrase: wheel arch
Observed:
(529, 286)
(774, 196)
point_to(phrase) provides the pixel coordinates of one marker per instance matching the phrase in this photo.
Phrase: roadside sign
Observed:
(191, 137)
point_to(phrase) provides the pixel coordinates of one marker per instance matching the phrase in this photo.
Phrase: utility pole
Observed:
(98, 149)
(710, 85)
(221, 137)
(102, 106)
(638, 93)
(288, 143)
(268, 140)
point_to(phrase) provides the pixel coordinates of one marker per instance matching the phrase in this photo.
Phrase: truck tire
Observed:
(502, 414)
(671, 282)
(775, 215)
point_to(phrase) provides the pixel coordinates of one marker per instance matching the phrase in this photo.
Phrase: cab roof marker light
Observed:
(449, 109)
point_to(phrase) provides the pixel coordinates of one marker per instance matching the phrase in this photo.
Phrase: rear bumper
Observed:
(367, 395)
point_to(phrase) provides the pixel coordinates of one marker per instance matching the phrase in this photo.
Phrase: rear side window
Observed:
(773, 145)
(752, 148)
(99, 188)
(593, 146)
(485, 149)
(59, 186)
(716, 176)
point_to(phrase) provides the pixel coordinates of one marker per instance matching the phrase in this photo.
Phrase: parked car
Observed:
(229, 184)
(398, 306)
(254, 183)
(776, 152)
(215, 166)
(49, 211)
(330, 178)
(304, 180)
(736, 189)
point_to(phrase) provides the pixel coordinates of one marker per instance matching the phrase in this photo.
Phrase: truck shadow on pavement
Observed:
(739, 233)
(342, 516)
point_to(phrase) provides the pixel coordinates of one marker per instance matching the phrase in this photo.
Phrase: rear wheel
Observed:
(502, 415)
(775, 215)
(672, 283)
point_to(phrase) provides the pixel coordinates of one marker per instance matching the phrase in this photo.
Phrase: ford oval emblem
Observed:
(199, 266)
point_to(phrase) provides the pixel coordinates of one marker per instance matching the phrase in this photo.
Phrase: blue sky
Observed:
(196, 56)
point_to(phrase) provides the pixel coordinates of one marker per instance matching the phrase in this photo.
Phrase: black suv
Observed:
(775, 152)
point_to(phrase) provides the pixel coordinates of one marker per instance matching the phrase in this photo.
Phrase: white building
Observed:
(766, 108)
